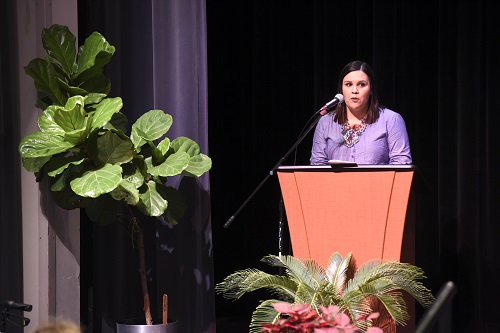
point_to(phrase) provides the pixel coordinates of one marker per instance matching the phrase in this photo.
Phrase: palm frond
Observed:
(327, 295)
(307, 272)
(313, 285)
(304, 294)
(357, 310)
(264, 313)
(241, 282)
(396, 306)
(383, 293)
(403, 276)
(336, 271)
(372, 288)
(385, 280)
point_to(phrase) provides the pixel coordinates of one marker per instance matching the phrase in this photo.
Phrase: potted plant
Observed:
(374, 288)
(83, 149)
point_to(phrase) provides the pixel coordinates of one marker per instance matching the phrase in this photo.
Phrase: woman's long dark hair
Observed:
(373, 105)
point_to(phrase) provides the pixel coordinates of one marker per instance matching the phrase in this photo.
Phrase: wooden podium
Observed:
(361, 209)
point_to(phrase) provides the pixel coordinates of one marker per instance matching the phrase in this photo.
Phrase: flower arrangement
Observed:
(301, 318)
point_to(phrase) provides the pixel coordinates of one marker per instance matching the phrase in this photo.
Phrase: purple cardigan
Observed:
(383, 142)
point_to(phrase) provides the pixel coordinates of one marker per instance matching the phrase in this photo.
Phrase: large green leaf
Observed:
(58, 164)
(105, 111)
(34, 164)
(185, 144)
(40, 144)
(72, 116)
(150, 126)
(60, 45)
(92, 56)
(172, 166)
(127, 192)
(133, 174)
(46, 80)
(97, 82)
(151, 202)
(142, 166)
(94, 183)
(94, 98)
(57, 66)
(61, 181)
(156, 154)
(77, 136)
(164, 145)
(46, 121)
(198, 165)
(117, 122)
(72, 90)
(111, 148)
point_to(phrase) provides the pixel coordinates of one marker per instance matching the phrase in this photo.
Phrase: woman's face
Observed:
(356, 90)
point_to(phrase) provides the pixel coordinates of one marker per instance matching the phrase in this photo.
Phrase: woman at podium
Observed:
(359, 129)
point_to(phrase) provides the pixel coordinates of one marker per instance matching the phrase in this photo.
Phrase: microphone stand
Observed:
(5, 315)
(271, 172)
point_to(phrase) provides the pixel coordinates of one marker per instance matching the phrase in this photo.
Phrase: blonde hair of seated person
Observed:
(58, 326)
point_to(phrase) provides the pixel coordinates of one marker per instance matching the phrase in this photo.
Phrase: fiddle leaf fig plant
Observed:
(82, 145)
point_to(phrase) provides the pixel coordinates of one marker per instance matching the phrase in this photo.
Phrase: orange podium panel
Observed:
(359, 209)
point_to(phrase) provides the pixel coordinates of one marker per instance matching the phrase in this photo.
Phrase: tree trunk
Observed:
(144, 281)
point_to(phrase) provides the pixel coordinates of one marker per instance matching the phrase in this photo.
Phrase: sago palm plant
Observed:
(375, 286)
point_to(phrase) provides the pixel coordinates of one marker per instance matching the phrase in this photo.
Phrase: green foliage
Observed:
(82, 145)
(64, 73)
(306, 282)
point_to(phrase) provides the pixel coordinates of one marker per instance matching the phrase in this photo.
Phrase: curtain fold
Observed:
(11, 260)
(159, 63)
(180, 88)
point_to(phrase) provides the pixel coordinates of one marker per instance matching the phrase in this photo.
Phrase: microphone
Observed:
(330, 105)
(15, 306)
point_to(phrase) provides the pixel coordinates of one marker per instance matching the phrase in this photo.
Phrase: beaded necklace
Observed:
(351, 134)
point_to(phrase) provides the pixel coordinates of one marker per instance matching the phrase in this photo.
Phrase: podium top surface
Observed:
(347, 168)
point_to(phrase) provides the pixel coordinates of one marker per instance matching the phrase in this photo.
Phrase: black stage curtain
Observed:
(272, 64)
(11, 264)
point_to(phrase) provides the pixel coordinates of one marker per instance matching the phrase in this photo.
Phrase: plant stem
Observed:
(144, 281)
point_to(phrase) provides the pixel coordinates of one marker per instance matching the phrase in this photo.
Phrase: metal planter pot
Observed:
(138, 326)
